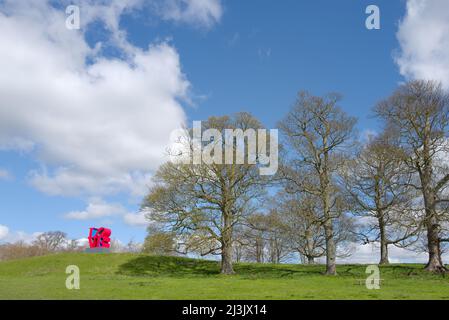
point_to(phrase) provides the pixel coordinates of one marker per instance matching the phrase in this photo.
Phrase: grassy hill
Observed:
(134, 276)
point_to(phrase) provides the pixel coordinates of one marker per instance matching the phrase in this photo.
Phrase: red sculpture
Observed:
(99, 237)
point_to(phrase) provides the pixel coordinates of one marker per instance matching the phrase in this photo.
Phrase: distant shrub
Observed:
(19, 250)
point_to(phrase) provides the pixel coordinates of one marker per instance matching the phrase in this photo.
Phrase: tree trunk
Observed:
(384, 253)
(432, 224)
(440, 255)
(383, 242)
(226, 246)
(259, 250)
(433, 245)
(331, 268)
(331, 249)
(226, 260)
(309, 246)
(237, 253)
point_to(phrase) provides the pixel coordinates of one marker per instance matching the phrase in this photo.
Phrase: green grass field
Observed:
(134, 276)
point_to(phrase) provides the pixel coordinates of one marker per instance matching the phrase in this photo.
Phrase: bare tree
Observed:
(376, 183)
(252, 237)
(276, 237)
(317, 131)
(264, 237)
(116, 246)
(73, 246)
(244, 243)
(419, 111)
(302, 225)
(133, 247)
(204, 202)
(51, 241)
(238, 245)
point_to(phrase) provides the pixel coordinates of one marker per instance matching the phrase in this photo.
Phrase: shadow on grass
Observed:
(170, 266)
(148, 265)
(275, 270)
(154, 266)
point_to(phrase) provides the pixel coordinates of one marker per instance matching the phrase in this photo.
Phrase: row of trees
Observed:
(290, 229)
(330, 189)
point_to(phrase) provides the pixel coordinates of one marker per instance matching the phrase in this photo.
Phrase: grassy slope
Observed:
(129, 276)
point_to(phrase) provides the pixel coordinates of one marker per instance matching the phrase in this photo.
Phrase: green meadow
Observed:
(138, 276)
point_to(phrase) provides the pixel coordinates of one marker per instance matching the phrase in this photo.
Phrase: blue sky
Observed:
(257, 60)
(233, 55)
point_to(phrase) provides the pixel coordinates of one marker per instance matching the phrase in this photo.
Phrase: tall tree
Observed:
(317, 132)
(419, 111)
(203, 202)
(299, 214)
(376, 183)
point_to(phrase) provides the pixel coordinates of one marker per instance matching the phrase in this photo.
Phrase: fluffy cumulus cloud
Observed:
(97, 208)
(4, 231)
(424, 41)
(97, 125)
(136, 219)
(9, 236)
(82, 242)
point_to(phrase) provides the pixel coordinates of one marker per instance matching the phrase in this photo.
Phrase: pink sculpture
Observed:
(99, 237)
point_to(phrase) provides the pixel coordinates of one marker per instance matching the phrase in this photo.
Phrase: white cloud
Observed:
(71, 182)
(96, 128)
(28, 238)
(82, 242)
(97, 208)
(370, 254)
(424, 39)
(204, 13)
(4, 231)
(136, 219)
